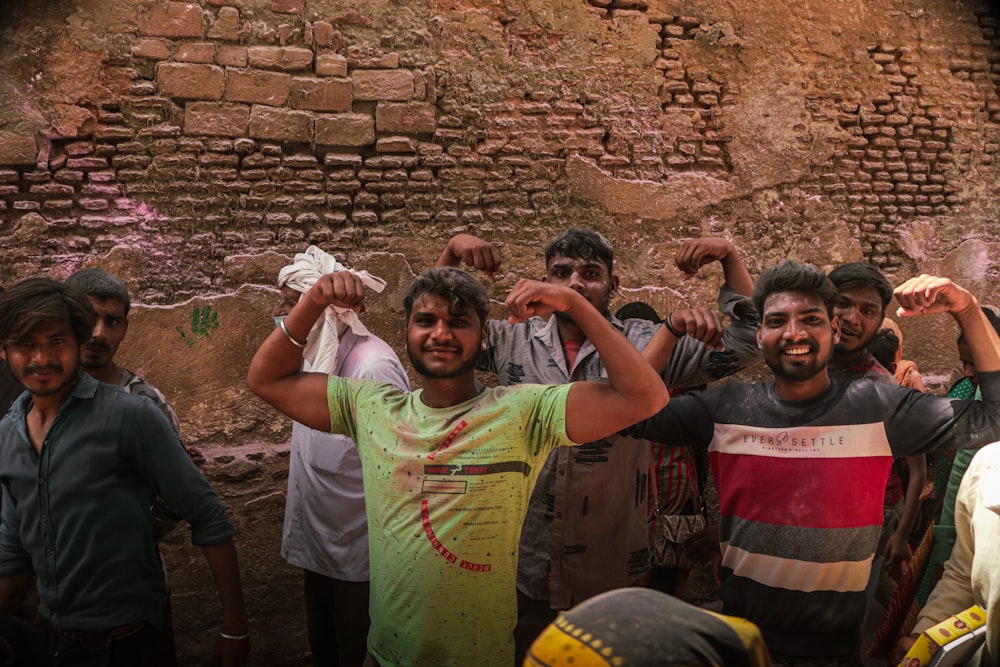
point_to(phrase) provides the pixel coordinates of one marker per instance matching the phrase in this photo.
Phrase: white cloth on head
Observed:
(300, 275)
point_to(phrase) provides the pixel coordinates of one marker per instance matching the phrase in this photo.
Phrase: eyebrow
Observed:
(863, 302)
(587, 264)
(804, 311)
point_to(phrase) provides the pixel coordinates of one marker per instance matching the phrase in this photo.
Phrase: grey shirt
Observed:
(77, 513)
(585, 531)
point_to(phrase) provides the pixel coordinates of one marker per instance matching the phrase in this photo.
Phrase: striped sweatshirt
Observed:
(801, 485)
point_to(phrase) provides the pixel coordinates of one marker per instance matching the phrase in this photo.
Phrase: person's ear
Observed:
(835, 326)
(760, 344)
(613, 282)
(485, 338)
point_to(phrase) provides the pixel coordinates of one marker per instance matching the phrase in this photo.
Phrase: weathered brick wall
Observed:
(192, 147)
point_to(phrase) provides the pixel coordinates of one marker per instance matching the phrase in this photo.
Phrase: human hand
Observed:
(531, 298)
(230, 652)
(896, 552)
(703, 548)
(930, 295)
(699, 323)
(902, 647)
(196, 456)
(471, 251)
(340, 288)
(696, 253)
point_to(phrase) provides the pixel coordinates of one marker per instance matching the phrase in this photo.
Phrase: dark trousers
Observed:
(533, 616)
(337, 620)
(140, 647)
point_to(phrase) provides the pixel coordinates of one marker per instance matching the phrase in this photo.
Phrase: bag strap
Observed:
(701, 465)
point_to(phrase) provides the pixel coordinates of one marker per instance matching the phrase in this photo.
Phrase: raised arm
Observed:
(595, 409)
(275, 371)
(471, 251)
(930, 295)
(696, 253)
(699, 323)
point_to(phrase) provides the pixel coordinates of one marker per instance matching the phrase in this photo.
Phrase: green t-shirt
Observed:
(446, 492)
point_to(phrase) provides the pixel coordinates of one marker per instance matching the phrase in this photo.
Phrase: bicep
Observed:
(594, 410)
(303, 397)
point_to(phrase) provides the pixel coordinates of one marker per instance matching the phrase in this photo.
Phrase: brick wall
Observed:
(192, 147)
(244, 129)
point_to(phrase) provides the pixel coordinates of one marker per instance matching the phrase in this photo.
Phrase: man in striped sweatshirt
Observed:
(801, 462)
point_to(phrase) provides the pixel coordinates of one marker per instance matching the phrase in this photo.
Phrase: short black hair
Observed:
(102, 285)
(883, 347)
(579, 243)
(35, 301)
(862, 274)
(462, 291)
(638, 310)
(792, 276)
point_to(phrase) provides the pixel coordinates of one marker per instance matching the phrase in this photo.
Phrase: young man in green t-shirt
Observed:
(448, 469)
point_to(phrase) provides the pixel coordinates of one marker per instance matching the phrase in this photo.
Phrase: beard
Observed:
(800, 372)
(69, 379)
(95, 355)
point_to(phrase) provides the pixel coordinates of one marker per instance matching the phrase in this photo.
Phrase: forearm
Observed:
(448, 257)
(981, 337)
(736, 275)
(225, 568)
(628, 373)
(277, 358)
(917, 466)
(659, 349)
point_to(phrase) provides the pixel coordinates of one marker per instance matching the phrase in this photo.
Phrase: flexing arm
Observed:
(696, 253)
(930, 295)
(471, 251)
(275, 370)
(595, 409)
(226, 572)
(699, 323)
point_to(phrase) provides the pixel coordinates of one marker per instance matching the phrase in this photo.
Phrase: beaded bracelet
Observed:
(670, 327)
(291, 340)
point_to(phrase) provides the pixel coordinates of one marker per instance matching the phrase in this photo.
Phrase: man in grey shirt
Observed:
(586, 529)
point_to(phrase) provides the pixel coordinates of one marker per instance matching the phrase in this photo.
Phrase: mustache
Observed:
(784, 346)
(34, 368)
(97, 346)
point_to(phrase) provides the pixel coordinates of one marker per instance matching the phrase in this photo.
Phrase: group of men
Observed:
(490, 510)
(798, 539)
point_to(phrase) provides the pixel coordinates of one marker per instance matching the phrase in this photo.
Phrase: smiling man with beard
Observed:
(800, 462)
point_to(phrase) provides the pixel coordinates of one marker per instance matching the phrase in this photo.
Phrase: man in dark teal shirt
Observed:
(79, 461)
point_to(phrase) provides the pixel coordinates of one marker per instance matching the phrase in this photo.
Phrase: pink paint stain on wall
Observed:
(141, 208)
